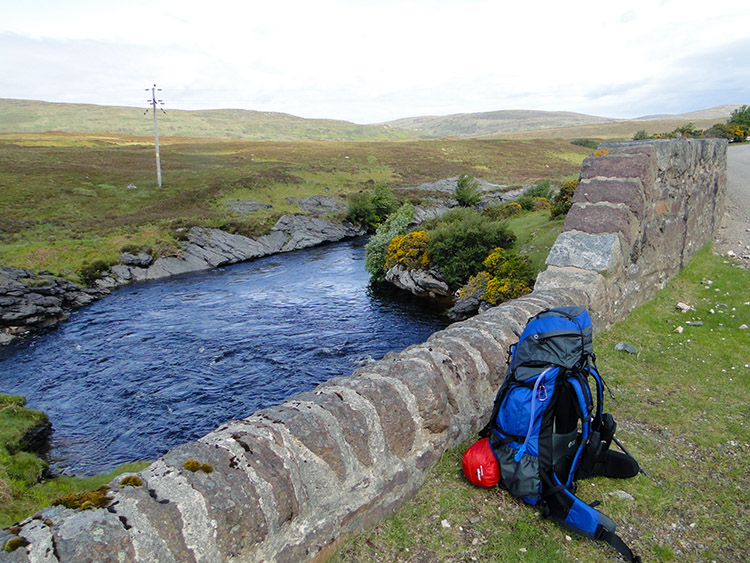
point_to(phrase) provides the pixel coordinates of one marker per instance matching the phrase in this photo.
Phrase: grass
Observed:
(535, 235)
(681, 405)
(22, 499)
(66, 201)
(24, 486)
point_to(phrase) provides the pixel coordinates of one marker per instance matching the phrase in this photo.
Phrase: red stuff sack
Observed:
(479, 464)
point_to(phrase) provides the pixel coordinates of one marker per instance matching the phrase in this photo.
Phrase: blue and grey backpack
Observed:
(546, 429)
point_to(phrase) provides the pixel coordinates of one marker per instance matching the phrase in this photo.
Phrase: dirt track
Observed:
(734, 235)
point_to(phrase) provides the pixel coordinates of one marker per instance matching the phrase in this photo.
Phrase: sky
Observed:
(370, 61)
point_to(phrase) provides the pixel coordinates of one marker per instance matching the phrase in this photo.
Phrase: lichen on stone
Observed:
(131, 481)
(87, 500)
(14, 543)
(193, 465)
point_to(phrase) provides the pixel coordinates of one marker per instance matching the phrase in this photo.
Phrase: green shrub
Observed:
(372, 208)
(90, 272)
(462, 240)
(741, 117)
(529, 200)
(383, 201)
(563, 201)
(526, 202)
(502, 211)
(541, 189)
(467, 191)
(360, 209)
(504, 264)
(396, 224)
(640, 135)
(588, 143)
(720, 131)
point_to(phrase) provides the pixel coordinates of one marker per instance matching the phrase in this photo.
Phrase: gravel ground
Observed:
(733, 239)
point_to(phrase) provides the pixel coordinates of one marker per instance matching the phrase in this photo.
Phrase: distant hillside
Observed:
(717, 113)
(620, 130)
(25, 116)
(492, 123)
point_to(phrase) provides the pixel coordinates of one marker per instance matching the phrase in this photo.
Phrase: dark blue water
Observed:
(158, 364)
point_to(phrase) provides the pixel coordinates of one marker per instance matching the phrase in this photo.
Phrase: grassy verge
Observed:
(24, 489)
(68, 199)
(535, 235)
(682, 405)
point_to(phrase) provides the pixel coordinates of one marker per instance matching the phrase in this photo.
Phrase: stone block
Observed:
(155, 527)
(399, 428)
(618, 166)
(258, 454)
(429, 390)
(593, 283)
(351, 423)
(597, 252)
(220, 507)
(626, 191)
(92, 535)
(602, 218)
(302, 422)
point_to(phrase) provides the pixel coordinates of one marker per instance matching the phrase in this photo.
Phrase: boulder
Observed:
(245, 206)
(30, 302)
(321, 204)
(418, 282)
(141, 260)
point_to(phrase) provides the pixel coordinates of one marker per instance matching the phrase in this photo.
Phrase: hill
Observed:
(619, 130)
(492, 123)
(26, 116)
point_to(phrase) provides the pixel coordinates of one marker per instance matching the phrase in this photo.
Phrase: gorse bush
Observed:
(502, 211)
(510, 276)
(461, 240)
(409, 250)
(741, 118)
(467, 191)
(529, 201)
(395, 225)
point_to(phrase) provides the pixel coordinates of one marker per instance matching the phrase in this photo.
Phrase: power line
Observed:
(153, 101)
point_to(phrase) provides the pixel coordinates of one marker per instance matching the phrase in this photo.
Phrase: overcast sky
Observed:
(369, 61)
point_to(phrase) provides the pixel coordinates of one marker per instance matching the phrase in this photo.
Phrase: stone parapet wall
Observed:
(285, 483)
(640, 211)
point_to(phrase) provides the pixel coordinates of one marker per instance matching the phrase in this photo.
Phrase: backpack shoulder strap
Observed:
(562, 506)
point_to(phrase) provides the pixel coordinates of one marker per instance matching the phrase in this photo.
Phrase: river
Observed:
(161, 363)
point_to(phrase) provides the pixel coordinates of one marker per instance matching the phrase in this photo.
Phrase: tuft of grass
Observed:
(682, 405)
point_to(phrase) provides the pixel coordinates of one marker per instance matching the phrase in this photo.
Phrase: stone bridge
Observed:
(285, 483)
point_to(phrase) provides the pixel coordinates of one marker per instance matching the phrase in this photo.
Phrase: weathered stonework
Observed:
(288, 481)
(663, 200)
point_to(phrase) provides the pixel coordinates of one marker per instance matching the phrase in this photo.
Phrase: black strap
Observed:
(616, 542)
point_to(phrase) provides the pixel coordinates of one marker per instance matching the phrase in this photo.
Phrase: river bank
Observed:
(31, 303)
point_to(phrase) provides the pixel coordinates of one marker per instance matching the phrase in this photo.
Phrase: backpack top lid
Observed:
(480, 465)
(561, 337)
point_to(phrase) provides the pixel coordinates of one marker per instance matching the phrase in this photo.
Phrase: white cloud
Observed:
(369, 61)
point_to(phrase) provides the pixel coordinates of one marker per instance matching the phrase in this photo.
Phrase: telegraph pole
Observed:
(153, 101)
